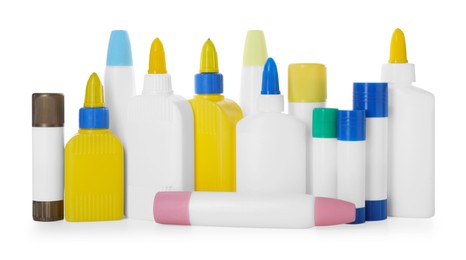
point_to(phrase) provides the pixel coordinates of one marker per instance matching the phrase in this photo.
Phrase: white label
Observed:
(376, 158)
(351, 172)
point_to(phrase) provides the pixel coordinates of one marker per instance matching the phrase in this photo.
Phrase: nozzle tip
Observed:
(209, 59)
(94, 92)
(270, 85)
(398, 47)
(157, 64)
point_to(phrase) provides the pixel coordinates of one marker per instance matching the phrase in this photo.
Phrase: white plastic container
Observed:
(351, 163)
(411, 135)
(230, 209)
(159, 144)
(254, 57)
(270, 145)
(324, 156)
(119, 80)
(47, 156)
(373, 98)
(307, 89)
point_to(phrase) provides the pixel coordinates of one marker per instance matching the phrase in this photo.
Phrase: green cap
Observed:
(324, 122)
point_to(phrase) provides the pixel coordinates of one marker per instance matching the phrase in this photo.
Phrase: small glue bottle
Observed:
(373, 98)
(47, 156)
(351, 163)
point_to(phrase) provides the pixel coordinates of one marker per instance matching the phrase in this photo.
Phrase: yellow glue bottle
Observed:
(94, 164)
(215, 119)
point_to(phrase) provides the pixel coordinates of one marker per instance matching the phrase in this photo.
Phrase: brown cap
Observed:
(48, 110)
(47, 210)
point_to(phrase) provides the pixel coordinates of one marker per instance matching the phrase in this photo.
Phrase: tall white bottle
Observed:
(373, 98)
(351, 163)
(411, 135)
(270, 145)
(119, 80)
(254, 57)
(307, 89)
(324, 156)
(159, 140)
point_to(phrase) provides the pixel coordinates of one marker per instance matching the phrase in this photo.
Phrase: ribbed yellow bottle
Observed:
(215, 119)
(94, 164)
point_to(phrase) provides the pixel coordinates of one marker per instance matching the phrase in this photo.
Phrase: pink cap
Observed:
(172, 208)
(329, 212)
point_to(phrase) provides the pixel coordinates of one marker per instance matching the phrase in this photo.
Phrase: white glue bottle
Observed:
(307, 89)
(159, 138)
(254, 57)
(324, 156)
(373, 98)
(351, 163)
(270, 145)
(119, 80)
(411, 135)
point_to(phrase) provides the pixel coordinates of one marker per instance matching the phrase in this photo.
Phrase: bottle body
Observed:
(411, 152)
(351, 175)
(215, 121)
(251, 81)
(94, 178)
(119, 88)
(304, 112)
(324, 167)
(159, 150)
(271, 154)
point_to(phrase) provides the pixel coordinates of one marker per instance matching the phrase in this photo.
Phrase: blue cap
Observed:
(208, 83)
(360, 216)
(270, 84)
(119, 49)
(93, 118)
(372, 97)
(351, 125)
(376, 210)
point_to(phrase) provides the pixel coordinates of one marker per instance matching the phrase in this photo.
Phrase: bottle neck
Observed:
(271, 103)
(402, 74)
(157, 84)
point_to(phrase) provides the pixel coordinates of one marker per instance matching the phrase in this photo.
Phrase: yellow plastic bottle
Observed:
(94, 164)
(215, 119)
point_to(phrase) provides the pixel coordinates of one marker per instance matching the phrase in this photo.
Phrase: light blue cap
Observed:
(119, 49)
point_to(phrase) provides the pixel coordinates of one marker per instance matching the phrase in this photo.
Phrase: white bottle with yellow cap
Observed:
(307, 89)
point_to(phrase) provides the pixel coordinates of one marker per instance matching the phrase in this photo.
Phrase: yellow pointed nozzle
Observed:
(94, 92)
(398, 48)
(157, 63)
(209, 60)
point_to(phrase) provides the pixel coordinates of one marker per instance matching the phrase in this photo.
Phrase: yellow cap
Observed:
(307, 82)
(157, 63)
(94, 92)
(209, 60)
(398, 48)
(255, 49)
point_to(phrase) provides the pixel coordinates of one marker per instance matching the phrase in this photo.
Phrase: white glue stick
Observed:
(230, 209)
(324, 156)
(47, 156)
(373, 98)
(351, 160)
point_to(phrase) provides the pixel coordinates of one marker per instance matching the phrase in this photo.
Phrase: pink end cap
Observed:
(172, 208)
(329, 212)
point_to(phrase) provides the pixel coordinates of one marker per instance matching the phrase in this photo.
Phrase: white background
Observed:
(53, 46)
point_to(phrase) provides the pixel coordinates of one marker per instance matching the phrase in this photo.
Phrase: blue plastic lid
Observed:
(93, 118)
(360, 216)
(119, 49)
(270, 84)
(372, 97)
(208, 83)
(351, 125)
(376, 210)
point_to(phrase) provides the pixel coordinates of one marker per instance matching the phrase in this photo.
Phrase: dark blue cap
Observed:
(351, 125)
(208, 83)
(270, 84)
(360, 216)
(372, 97)
(93, 118)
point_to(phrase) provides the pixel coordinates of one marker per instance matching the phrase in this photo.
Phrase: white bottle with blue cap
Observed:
(351, 165)
(373, 98)
(270, 145)
(119, 80)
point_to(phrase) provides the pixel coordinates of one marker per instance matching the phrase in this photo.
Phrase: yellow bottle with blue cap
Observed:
(215, 119)
(94, 164)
